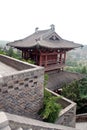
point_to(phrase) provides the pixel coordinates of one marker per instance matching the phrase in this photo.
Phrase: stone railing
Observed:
(15, 122)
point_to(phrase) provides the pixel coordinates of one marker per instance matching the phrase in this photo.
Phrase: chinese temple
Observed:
(46, 48)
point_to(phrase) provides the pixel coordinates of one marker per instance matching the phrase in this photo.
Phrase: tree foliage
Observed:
(77, 92)
(10, 52)
(46, 77)
(71, 91)
(80, 69)
(2, 51)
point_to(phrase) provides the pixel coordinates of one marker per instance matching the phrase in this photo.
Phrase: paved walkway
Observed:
(6, 70)
(81, 126)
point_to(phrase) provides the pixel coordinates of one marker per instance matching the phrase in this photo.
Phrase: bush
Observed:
(51, 108)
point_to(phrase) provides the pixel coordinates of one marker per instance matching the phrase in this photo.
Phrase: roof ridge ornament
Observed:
(52, 27)
(36, 29)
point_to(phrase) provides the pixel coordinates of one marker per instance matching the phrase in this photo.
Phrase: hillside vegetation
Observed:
(77, 60)
(77, 90)
(3, 43)
(78, 54)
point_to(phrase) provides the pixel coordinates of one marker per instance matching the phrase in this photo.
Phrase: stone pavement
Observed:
(81, 126)
(6, 70)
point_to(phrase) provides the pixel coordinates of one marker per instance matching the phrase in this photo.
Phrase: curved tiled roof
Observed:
(42, 39)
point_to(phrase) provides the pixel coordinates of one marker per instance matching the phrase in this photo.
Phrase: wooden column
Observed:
(27, 54)
(64, 57)
(36, 60)
(46, 60)
(40, 61)
(22, 54)
(60, 59)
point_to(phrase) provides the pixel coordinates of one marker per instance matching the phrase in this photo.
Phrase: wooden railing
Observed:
(54, 67)
(50, 62)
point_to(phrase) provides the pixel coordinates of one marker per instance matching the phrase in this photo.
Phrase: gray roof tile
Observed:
(42, 39)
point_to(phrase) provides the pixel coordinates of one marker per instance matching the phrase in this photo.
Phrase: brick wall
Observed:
(22, 93)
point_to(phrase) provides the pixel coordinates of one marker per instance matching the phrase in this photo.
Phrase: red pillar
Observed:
(22, 54)
(46, 60)
(60, 59)
(64, 57)
(40, 61)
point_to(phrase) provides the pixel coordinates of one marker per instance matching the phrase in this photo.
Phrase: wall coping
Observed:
(34, 67)
(71, 103)
(5, 119)
(81, 117)
(19, 60)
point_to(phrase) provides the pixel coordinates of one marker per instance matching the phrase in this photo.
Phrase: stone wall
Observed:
(68, 118)
(15, 122)
(81, 117)
(22, 93)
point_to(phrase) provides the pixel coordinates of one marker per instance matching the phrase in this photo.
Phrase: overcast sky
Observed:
(18, 18)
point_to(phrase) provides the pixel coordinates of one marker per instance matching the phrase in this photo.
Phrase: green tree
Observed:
(72, 91)
(2, 51)
(10, 52)
(77, 92)
(83, 69)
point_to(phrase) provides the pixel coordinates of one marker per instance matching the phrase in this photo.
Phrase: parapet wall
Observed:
(81, 117)
(22, 93)
(15, 63)
(15, 122)
(67, 115)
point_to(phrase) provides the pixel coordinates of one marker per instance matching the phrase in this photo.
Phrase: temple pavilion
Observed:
(46, 48)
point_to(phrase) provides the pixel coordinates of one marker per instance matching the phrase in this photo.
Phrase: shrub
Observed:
(77, 92)
(51, 108)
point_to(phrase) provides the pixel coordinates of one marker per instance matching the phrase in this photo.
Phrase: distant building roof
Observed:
(44, 38)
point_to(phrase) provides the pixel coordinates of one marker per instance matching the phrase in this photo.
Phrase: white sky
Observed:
(18, 18)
